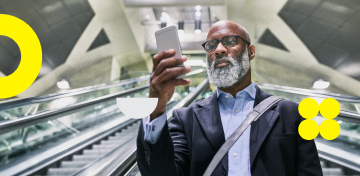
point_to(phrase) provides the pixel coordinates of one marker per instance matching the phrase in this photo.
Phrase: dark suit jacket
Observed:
(188, 143)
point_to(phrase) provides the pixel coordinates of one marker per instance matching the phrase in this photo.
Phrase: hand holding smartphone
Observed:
(167, 38)
(168, 69)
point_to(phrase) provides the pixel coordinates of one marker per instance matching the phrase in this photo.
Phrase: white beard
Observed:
(227, 76)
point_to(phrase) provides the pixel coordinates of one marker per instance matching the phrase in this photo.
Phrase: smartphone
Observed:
(167, 38)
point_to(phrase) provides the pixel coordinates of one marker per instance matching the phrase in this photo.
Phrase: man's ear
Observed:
(251, 52)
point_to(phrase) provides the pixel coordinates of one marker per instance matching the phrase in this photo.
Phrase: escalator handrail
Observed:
(338, 156)
(27, 101)
(11, 125)
(308, 92)
(349, 116)
(120, 164)
(115, 167)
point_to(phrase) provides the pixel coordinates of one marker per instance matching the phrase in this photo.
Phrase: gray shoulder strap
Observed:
(252, 116)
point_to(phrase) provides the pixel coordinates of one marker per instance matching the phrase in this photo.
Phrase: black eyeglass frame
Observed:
(218, 41)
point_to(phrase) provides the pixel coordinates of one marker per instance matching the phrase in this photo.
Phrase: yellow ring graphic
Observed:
(31, 56)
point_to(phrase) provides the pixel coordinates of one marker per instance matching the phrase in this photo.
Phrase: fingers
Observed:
(169, 62)
(176, 82)
(162, 55)
(169, 73)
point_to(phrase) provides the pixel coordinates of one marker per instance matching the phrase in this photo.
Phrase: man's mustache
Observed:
(222, 59)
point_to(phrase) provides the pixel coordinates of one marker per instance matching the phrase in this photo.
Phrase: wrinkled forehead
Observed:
(221, 30)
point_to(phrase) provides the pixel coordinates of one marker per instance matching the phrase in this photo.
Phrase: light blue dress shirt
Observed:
(233, 112)
(153, 129)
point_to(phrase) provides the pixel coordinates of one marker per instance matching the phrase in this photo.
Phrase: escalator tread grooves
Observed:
(97, 150)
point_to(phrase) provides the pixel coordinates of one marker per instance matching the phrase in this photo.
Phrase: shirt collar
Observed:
(250, 90)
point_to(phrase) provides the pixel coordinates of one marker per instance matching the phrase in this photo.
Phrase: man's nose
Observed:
(221, 50)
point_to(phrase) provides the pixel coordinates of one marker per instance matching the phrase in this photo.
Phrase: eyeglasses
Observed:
(227, 41)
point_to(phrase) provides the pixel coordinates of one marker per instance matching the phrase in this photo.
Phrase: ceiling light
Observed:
(321, 84)
(163, 24)
(198, 8)
(164, 18)
(181, 25)
(197, 26)
(198, 14)
(63, 84)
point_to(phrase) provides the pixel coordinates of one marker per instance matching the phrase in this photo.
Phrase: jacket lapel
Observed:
(260, 128)
(209, 118)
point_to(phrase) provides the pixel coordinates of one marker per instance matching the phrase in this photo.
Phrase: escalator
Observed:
(81, 136)
(90, 135)
(114, 144)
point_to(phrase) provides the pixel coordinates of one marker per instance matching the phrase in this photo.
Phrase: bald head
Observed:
(229, 27)
(225, 28)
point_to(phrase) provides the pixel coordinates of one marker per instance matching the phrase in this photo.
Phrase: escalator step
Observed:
(91, 155)
(332, 171)
(113, 142)
(132, 127)
(128, 130)
(123, 135)
(117, 137)
(85, 157)
(62, 171)
(105, 146)
(99, 152)
(322, 163)
(73, 164)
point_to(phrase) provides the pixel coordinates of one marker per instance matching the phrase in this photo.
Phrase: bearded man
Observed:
(271, 145)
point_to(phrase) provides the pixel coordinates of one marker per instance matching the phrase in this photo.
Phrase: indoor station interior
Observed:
(94, 51)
